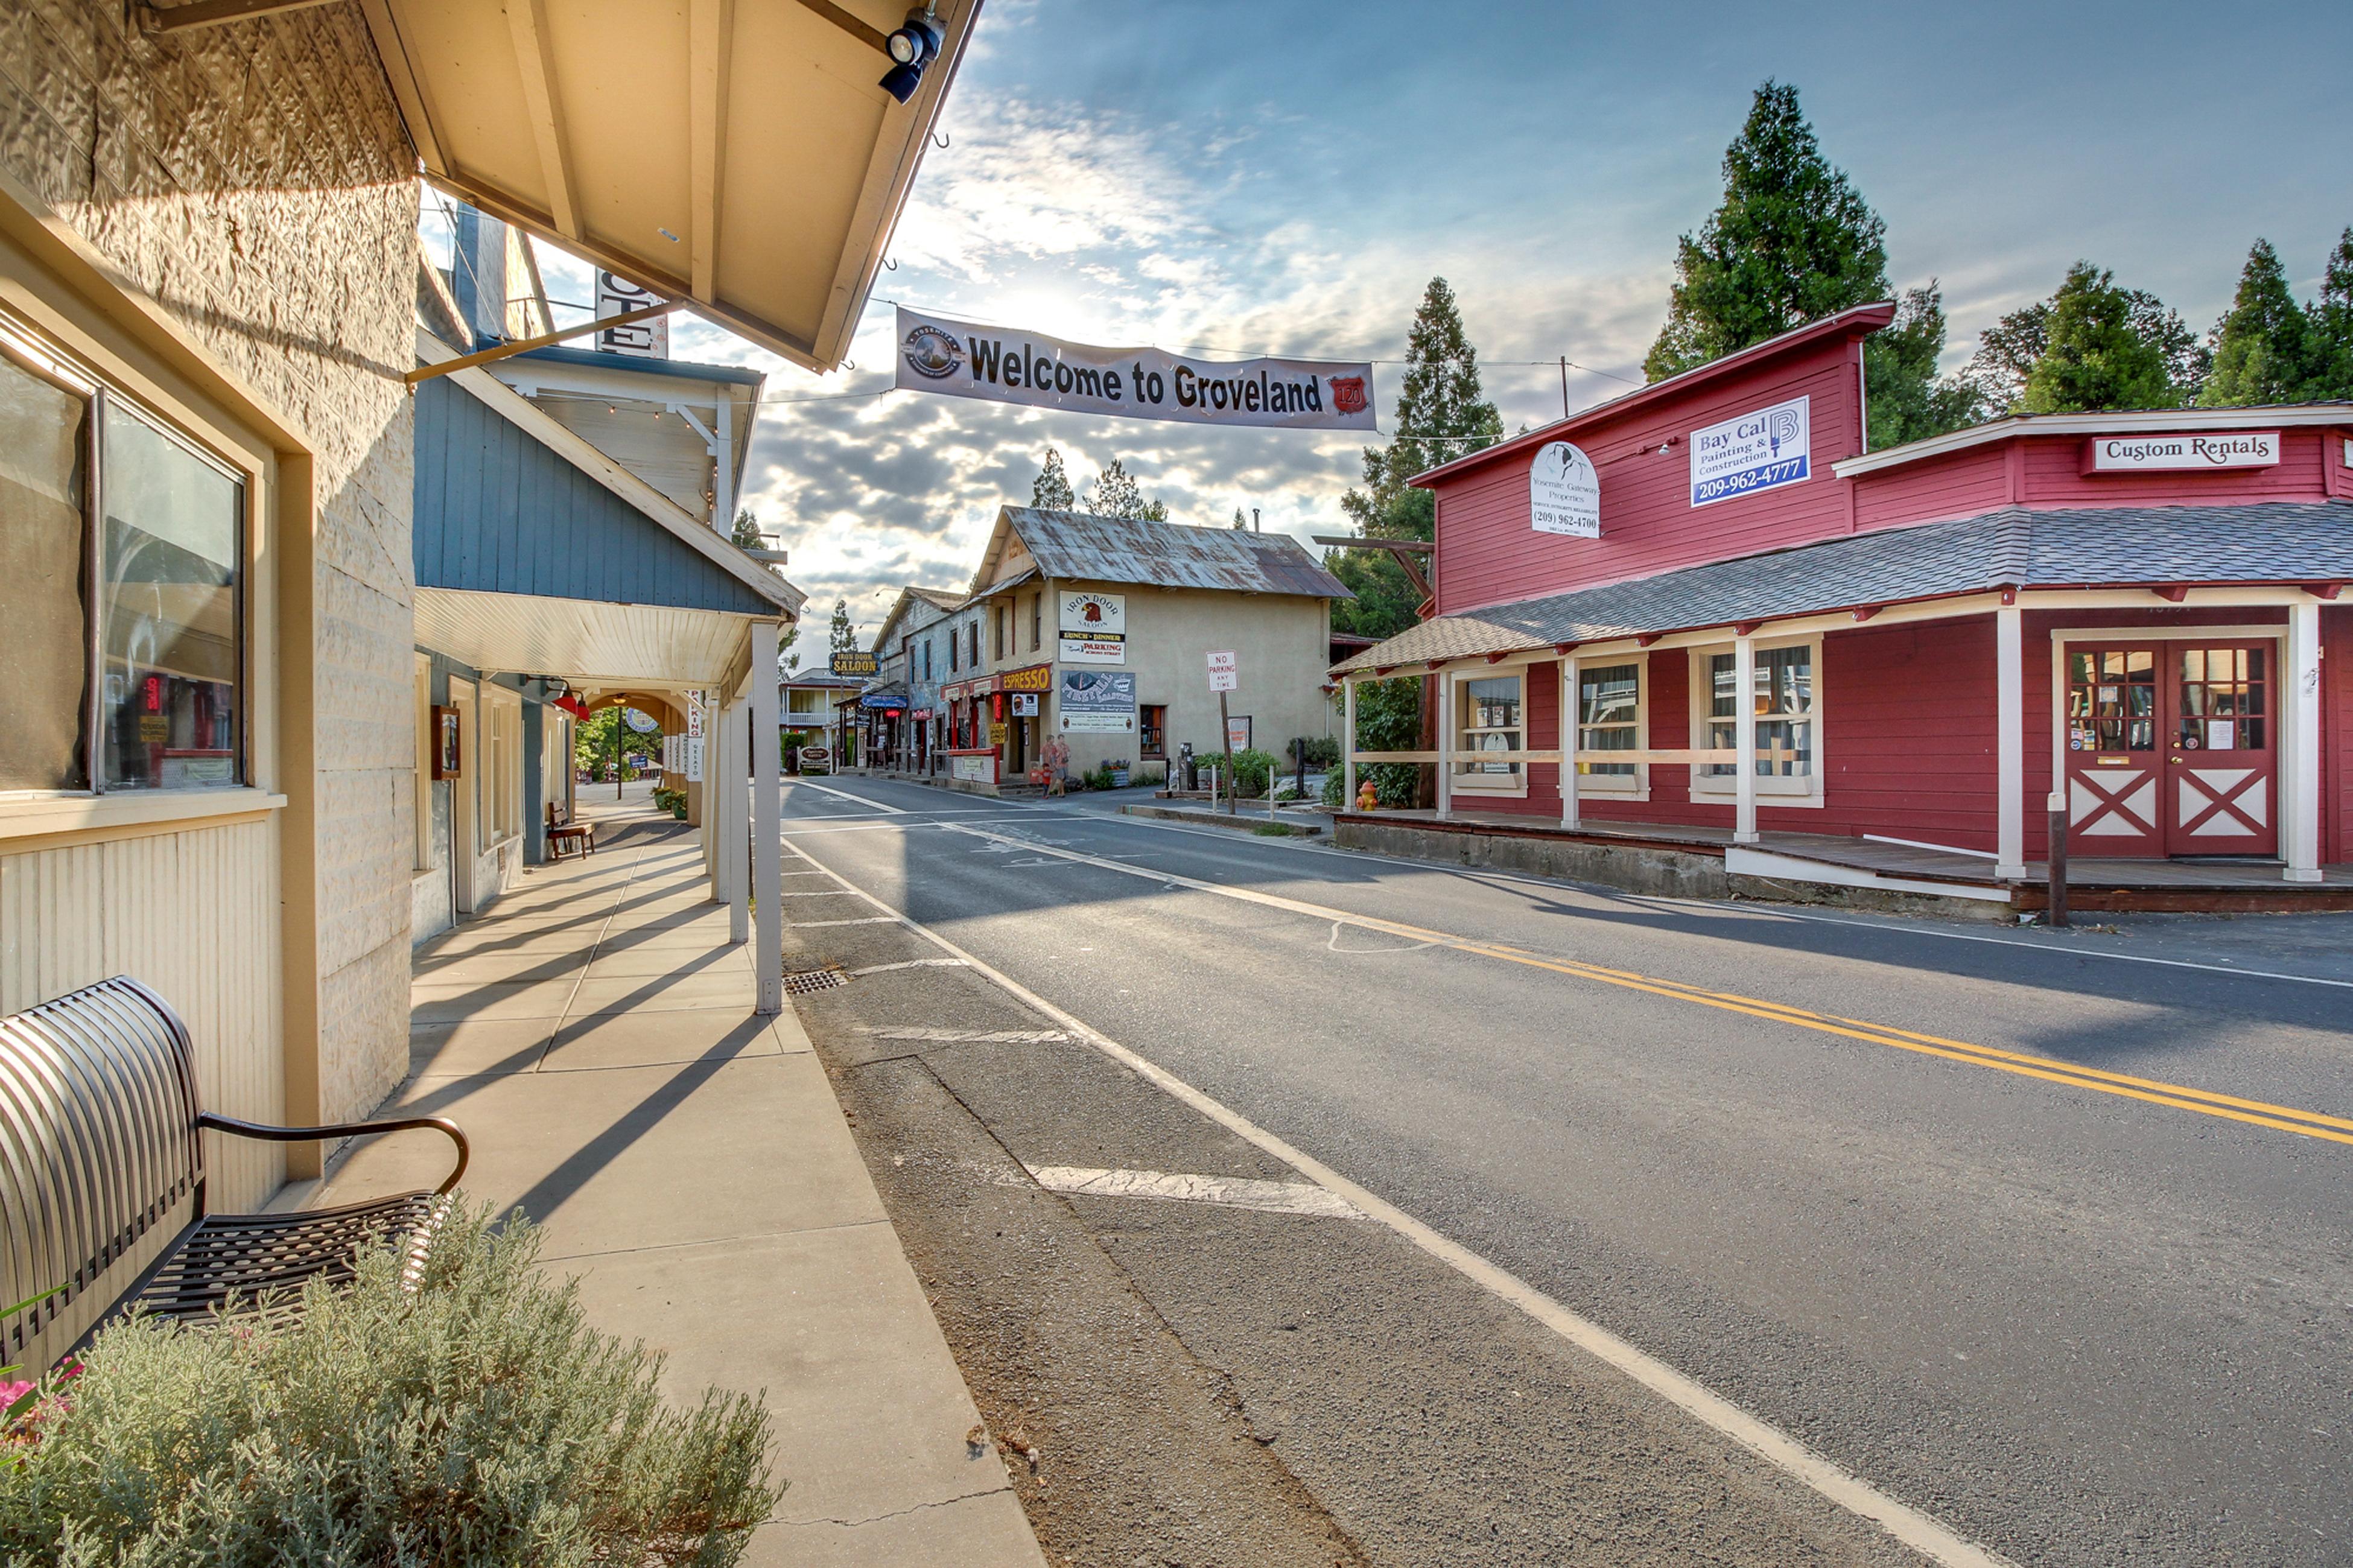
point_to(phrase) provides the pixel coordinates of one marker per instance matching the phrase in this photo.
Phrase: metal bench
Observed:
(561, 831)
(102, 1179)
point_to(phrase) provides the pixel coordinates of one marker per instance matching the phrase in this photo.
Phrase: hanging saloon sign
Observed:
(938, 355)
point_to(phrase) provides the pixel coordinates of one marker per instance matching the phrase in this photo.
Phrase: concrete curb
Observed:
(1242, 822)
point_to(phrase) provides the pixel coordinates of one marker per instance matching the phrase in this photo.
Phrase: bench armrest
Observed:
(232, 1126)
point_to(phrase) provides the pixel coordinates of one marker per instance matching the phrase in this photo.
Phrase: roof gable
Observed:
(1079, 546)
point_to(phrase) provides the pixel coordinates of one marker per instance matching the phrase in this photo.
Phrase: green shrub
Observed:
(1319, 752)
(1335, 786)
(476, 1420)
(1252, 769)
(671, 800)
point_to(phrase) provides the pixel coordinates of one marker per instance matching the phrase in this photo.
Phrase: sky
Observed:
(1278, 177)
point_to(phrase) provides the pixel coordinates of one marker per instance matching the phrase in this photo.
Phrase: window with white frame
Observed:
(1612, 717)
(1782, 704)
(1487, 717)
(501, 763)
(423, 781)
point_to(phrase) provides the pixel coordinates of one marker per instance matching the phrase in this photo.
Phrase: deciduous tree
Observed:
(840, 636)
(1906, 399)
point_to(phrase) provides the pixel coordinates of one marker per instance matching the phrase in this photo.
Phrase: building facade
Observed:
(1096, 632)
(1757, 627)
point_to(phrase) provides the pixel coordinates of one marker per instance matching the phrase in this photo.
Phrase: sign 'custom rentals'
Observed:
(1753, 452)
(1564, 493)
(962, 360)
(2143, 454)
(1093, 628)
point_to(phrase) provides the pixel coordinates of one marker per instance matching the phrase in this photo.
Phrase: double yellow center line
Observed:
(2259, 1113)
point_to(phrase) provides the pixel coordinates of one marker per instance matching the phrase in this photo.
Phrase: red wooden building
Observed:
(1774, 641)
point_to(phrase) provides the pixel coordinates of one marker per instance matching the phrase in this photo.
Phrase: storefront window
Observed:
(1783, 710)
(2221, 700)
(1608, 712)
(172, 529)
(2112, 699)
(44, 456)
(1487, 719)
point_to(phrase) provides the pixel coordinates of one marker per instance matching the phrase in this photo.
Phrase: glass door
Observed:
(2113, 712)
(2221, 757)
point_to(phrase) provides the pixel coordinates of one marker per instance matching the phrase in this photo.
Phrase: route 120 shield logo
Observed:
(1347, 393)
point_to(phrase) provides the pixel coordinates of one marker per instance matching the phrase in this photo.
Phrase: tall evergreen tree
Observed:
(1116, 494)
(841, 637)
(2259, 352)
(2329, 329)
(1440, 398)
(2107, 347)
(1052, 490)
(747, 534)
(1792, 242)
(1906, 399)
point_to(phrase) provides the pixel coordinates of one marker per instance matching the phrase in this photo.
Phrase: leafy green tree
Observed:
(840, 636)
(1906, 399)
(1116, 494)
(2329, 328)
(1390, 718)
(1443, 413)
(1052, 490)
(2105, 347)
(1792, 242)
(2260, 355)
(2006, 354)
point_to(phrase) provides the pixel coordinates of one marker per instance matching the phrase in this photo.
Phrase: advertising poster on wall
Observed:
(1097, 702)
(1093, 628)
(1754, 452)
(1564, 493)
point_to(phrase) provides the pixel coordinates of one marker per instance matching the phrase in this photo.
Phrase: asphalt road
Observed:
(2077, 1319)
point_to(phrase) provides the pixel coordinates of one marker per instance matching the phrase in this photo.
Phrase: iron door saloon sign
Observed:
(1094, 628)
(853, 662)
(1758, 451)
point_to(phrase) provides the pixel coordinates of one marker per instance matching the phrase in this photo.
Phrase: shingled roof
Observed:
(1081, 547)
(2088, 547)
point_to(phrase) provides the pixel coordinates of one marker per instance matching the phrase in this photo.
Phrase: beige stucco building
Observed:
(1097, 631)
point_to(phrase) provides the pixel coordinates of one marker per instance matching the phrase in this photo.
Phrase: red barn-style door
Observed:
(2172, 749)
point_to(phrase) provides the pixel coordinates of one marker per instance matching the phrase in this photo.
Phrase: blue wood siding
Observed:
(498, 512)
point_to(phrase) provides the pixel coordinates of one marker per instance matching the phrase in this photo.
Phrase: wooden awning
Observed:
(738, 152)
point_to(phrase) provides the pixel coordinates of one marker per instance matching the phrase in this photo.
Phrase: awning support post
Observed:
(2009, 742)
(1743, 708)
(768, 824)
(734, 802)
(2303, 760)
(1568, 742)
(1445, 742)
(1348, 743)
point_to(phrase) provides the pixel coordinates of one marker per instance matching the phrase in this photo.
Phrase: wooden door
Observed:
(2221, 757)
(2114, 703)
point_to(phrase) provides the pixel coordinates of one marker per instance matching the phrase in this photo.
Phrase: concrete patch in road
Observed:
(1232, 1192)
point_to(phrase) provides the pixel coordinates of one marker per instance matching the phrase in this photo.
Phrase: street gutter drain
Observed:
(809, 982)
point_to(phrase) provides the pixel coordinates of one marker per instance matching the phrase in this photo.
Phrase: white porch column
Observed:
(1744, 742)
(1569, 717)
(2009, 742)
(736, 843)
(2300, 804)
(1348, 743)
(768, 823)
(1445, 741)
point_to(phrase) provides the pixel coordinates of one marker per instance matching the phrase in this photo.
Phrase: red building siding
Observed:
(1489, 556)
(2336, 735)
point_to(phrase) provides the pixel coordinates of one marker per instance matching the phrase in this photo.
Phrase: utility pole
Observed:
(1226, 733)
(1564, 387)
(618, 726)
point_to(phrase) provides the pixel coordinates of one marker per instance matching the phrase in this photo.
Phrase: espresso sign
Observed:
(1564, 493)
(2153, 453)
(1000, 364)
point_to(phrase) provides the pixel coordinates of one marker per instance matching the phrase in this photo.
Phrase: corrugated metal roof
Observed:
(939, 598)
(1079, 546)
(2072, 548)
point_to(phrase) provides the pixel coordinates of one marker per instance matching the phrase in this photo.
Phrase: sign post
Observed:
(1225, 675)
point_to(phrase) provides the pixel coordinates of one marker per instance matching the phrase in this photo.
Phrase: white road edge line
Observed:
(1704, 906)
(845, 794)
(1824, 1476)
(909, 964)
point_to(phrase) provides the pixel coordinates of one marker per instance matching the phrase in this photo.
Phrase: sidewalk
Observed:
(594, 1035)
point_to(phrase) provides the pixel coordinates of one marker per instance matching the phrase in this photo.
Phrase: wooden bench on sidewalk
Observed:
(102, 1179)
(561, 831)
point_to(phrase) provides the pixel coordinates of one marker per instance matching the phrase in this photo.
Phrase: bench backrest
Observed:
(557, 817)
(101, 1162)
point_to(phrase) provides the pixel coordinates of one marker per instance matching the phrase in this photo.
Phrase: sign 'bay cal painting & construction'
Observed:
(962, 359)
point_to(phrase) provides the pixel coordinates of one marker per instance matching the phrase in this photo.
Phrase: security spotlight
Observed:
(914, 44)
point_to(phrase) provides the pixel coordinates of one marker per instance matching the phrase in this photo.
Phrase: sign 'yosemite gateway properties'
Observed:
(962, 360)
